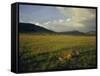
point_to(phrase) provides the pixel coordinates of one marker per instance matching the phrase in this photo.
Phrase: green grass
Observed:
(51, 52)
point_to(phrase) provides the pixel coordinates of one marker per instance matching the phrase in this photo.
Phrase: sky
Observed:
(59, 19)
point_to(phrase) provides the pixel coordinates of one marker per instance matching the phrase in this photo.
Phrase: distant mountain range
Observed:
(73, 33)
(91, 32)
(28, 27)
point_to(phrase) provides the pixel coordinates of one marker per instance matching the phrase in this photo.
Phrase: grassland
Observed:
(56, 52)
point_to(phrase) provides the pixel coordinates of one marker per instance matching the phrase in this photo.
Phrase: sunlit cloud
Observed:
(46, 23)
(69, 19)
(60, 20)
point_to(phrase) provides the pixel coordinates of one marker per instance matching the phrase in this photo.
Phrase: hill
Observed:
(28, 27)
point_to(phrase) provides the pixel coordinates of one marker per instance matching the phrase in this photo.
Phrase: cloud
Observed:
(81, 18)
(46, 23)
(91, 24)
(69, 19)
(59, 25)
(61, 20)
